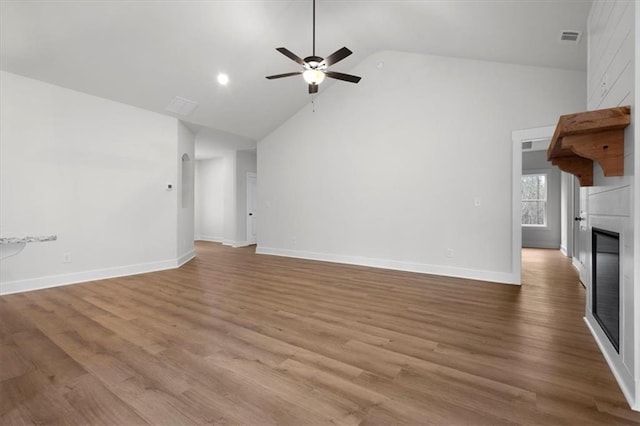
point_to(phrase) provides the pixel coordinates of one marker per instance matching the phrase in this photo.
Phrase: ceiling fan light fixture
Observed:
(313, 76)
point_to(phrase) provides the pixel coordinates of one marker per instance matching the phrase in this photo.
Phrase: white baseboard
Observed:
(242, 244)
(186, 257)
(39, 283)
(210, 239)
(449, 271)
(578, 267)
(628, 394)
(229, 243)
(540, 244)
(564, 251)
(575, 263)
(236, 244)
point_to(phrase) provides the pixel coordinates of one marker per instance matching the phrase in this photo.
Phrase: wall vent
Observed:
(527, 145)
(181, 106)
(570, 37)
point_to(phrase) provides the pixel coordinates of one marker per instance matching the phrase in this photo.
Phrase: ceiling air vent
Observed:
(181, 106)
(570, 37)
(527, 145)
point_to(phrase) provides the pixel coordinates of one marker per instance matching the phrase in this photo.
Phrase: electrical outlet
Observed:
(477, 201)
(66, 258)
(603, 85)
(449, 252)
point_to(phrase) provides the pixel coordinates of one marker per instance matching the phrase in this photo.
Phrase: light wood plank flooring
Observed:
(238, 338)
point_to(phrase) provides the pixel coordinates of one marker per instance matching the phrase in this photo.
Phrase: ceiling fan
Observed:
(315, 68)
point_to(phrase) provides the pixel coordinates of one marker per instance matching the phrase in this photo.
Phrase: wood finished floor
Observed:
(238, 338)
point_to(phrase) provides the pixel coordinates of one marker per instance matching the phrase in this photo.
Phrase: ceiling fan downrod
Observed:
(314, 28)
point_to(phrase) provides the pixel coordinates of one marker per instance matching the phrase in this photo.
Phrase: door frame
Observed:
(581, 235)
(517, 137)
(255, 198)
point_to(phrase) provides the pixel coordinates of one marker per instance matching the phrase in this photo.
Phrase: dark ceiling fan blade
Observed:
(341, 76)
(337, 56)
(289, 54)
(288, 74)
(313, 88)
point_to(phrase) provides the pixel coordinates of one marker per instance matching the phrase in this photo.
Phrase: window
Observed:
(534, 200)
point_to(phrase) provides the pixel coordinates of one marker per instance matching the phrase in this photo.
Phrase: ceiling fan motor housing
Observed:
(315, 62)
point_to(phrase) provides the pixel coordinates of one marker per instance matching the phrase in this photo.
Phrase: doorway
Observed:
(518, 137)
(574, 230)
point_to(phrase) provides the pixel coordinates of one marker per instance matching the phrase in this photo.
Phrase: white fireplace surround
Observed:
(622, 363)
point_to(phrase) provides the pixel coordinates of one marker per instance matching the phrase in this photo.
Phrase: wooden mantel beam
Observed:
(582, 138)
(582, 168)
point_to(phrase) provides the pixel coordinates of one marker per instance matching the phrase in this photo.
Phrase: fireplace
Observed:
(606, 283)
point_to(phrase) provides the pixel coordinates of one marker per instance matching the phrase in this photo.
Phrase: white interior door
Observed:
(580, 232)
(252, 180)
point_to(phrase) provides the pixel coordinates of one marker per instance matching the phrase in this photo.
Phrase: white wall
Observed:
(547, 236)
(611, 30)
(185, 187)
(230, 193)
(387, 172)
(210, 199)
(92, 171)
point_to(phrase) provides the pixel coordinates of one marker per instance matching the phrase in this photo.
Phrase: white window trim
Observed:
(544, 173)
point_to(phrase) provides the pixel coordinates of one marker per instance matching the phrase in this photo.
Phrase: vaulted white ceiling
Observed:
(144, 53)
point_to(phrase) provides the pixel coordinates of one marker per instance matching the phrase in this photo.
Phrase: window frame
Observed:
(545, 200)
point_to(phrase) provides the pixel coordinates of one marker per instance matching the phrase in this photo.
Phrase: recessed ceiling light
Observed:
(223, 79)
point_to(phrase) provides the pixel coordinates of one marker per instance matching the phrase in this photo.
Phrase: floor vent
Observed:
(570, 37)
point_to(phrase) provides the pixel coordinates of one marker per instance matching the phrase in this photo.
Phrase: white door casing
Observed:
(517, 137)
(252, 180)
(580, 232)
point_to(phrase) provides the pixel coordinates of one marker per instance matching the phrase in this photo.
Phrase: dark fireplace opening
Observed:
(606, 283)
